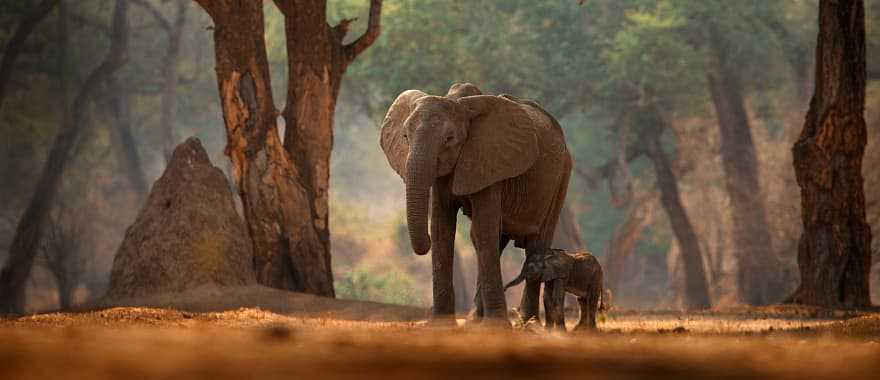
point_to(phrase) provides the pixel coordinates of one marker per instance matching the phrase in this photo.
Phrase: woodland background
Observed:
(599, 68)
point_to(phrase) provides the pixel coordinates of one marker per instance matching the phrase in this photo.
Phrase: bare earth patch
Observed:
(152, 343)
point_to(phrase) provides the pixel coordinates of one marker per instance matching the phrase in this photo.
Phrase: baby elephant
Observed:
(578, 273)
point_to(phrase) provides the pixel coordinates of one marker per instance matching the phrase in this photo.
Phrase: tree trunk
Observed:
(696, 289)
(16, 43)
(758, 267)
(30, 227)
(624, 239)
(834, 252)
(568, 232)
(121, 122)
(267, 181)
(169, 68)
(317, 60)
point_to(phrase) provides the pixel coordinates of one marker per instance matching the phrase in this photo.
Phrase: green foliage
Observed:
(388, 286)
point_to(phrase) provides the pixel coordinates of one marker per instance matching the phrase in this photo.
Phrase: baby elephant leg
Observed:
(554, 304)
(589, 306)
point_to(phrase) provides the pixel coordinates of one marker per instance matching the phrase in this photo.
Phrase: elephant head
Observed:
(543, 267)
(477, 139)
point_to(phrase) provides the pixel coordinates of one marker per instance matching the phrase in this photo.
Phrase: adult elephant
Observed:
(501, 160)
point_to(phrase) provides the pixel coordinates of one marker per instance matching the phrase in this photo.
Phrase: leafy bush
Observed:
(387, 286)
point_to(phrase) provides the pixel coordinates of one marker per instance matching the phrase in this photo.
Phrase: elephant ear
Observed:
(502, 143)
(557, 266)
(393, 143)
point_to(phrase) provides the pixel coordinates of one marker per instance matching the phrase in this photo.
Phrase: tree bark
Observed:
(30, 228)
(834, 251)
(317, 60)
(16, 43)
(696, 288)
(267, 180)
(759, 270)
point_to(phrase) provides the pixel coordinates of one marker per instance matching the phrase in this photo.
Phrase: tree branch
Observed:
(155, 12)
(13, 48)
(374, 27)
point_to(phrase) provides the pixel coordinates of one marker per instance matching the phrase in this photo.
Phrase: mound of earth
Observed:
(216, 299)
(187, 235)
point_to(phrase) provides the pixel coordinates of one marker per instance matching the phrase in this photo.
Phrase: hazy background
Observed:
(581, 63)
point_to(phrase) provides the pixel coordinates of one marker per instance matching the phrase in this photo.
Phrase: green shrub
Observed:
(387, 286)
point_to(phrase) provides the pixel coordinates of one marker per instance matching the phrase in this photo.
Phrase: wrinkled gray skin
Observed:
(502, 161)
(578, 273)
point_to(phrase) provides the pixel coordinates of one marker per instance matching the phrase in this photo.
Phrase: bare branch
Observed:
(15, 44)
(369, 37)
(157, 14)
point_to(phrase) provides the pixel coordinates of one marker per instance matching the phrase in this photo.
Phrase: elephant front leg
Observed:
(485, 233)
(554, 304)
(443, 218)
(528, 306)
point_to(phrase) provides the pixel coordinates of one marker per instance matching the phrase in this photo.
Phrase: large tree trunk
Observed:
(834, 252)
(758, 267)
(696, 288)
(16, 43)
(30, 227)
(267, 181)
(317, 59)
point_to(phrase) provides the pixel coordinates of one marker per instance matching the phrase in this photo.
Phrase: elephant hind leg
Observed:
(589, 306)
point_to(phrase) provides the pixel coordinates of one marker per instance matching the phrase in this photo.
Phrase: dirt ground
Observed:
(255, 343)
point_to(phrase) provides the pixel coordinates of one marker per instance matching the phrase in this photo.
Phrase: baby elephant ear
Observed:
(502, 143)
(393, 143)
(557, 266)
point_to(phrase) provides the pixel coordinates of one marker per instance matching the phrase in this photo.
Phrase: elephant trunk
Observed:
(516, 281)
(421, 169)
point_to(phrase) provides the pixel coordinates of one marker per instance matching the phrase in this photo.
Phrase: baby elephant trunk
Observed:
(516, 281)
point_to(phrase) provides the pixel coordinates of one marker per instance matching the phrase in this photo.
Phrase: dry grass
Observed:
(252, 343)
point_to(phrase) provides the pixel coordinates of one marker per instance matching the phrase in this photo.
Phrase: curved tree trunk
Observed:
(834, 252)
(267, 181)
(16, 43)
(696, 288)
(128, 153)
(317, 60)
(30, 227)
(758, 267)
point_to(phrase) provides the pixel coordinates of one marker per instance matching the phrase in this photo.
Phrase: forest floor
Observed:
(250, 342)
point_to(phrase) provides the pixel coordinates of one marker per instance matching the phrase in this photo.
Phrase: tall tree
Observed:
(758, 268)
(834, 252)
(31, 225)
(317, 60)
(288, 251)
(174, 29)
(16, 43)
(696, 288)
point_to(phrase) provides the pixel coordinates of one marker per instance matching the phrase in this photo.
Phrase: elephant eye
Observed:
(449, 139)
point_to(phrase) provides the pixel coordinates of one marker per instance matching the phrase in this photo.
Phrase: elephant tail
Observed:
(516, 281)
